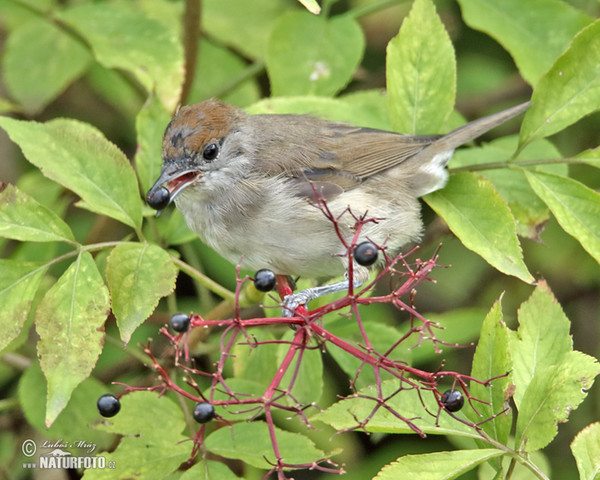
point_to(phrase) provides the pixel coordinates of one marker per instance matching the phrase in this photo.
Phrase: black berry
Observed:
(365, 254)
(203, 412)
(108, 405)
(452, 400)
(264, 280)
(158, 199)
(180, 322)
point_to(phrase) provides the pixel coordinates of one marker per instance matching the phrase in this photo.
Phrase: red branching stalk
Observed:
(310, 331)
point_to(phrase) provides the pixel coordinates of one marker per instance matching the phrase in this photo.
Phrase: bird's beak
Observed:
(169, 185)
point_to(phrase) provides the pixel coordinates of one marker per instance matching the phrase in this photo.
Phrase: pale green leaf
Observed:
(575, 206)
(368, 111)
(438, 465)
(40, 60)
(242, 24)
(553, 393)
(531, 214)
(491, 359)
(541, 340)
(153, 446)
(23, 218)
(535, 32)
(586, 450)
(251, 443)
(311, 5)
(150, 124)
(569, 91)
(407, 403)
(129, 40)
(18, 284)
(591, 157)
(209, 470)
(482, 221)
(331, 50)
(421, 72)
(70, 322)
(79, 157)
(138, 276)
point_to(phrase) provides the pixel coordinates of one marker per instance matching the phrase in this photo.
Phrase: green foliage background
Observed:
(87, 89)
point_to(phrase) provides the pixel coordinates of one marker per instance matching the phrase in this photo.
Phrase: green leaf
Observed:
(73, 424)
(575, 206)
(569, 91)
(209, 470)
(153, 445)
(70, 322)
(482, 221)
(408, 403)
(591, 157)
(541, 340)
(250, 388)
(421, 72)
(551, 396)
(586, 450)
(18, 284)
(23, 218)
(242, 24)
(350, 109)
(531, 214)
(251, 443)
(534, 33)
(40, 60)
(331, 51)
(79, 157)
(211, 82)
(492, 358)
(438, 465)
(131, 41)
(550, 378)
(311, 5)
(138, 276)
(307, 372)
(150, 125)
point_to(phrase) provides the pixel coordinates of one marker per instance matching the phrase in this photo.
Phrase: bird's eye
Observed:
(210, 151)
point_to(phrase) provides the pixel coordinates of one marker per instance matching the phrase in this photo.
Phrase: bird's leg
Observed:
(293, 301)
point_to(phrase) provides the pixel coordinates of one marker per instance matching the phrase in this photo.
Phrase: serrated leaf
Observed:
(153, 446)
(482, 221)
(72, 425)
(251, 443)
(129, 40)
(438, 465)
(586, 450)
(138, 276)
(491, 359)
(79, 157)
(552, 394)
(541, 340)
(40, 60)
(575, 206)
(150, 126)
(18, 284)
(535, 33)
(531, 214)
(331, 51)
(408, 403)
(70, 322)
(23, 218)
(569, 91)
(421, 72)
